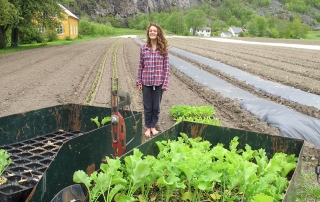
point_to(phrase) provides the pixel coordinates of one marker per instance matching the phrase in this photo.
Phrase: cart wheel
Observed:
(73, 193)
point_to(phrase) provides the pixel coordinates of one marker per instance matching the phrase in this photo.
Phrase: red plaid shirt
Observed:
(153, 68)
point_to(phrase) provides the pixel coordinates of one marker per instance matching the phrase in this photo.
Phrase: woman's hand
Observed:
(140, 86)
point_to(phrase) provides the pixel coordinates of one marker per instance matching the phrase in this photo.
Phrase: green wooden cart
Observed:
(48, 145)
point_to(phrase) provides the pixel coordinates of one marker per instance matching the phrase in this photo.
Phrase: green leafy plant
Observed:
(96, 121)
(191, 169)
(200, 114)
(107, 183)
(138, 173)
(5, 160)
(105, 120)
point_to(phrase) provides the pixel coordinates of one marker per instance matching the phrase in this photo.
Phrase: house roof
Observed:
(205, 28)
(226, 33)
(236, 30)
(68, 12)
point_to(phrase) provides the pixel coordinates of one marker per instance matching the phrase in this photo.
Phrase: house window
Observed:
(60, 29)
(70, 29)
(42, 29)
(53, 15)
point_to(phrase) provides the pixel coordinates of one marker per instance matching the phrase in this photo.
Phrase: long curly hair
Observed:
(162, 42)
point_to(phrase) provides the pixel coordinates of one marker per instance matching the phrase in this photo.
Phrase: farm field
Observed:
(54, 75)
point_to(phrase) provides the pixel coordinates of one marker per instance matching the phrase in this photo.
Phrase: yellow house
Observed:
(69, 26)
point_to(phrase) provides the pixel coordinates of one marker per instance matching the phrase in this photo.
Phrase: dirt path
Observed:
(55, 75)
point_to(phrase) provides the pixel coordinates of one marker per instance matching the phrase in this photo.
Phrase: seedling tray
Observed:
(30, 159)
(49, 144)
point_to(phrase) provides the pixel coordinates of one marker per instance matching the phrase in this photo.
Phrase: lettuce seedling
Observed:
(200, 114)
(138, 170)
(96, 121)
(5, 160)
(107, 183)
(105, 120)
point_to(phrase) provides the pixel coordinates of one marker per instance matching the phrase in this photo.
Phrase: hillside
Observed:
(98, 10)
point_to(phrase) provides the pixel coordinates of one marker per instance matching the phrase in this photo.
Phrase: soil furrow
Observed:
(53, 81)
(294, 58)
(307, 110)
(268, 73)
(269, 62)
(291, 54)
(101, 97)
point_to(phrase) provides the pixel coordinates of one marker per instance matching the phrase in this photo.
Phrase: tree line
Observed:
(230, 13)
(25, 16)
(20, 19)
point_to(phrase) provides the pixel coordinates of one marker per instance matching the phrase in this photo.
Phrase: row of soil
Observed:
(297, 56)
(293, 63)
(281, 41)
(49, 76)
(119, 59)
(307, 110)
(304, 78)
(102, 92)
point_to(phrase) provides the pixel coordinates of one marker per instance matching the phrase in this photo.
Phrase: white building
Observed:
(205, 31)
(225, 34)
(235, 31)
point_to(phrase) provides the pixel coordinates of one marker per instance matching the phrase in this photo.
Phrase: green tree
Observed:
(274, 33)
(287, 33)
(245, 15)
(115, 21)
(195, 19)
(86, 27)
(159, 18)
(207, 9)
(35, 13)
(224, 13)
(258, 26)
(272, 21)
(298, 30)
(218, 26)
(298, 6)
(234, 22)
(253, 27)
(9, 16)
(140, 21)
(262, 26)
(176, 23)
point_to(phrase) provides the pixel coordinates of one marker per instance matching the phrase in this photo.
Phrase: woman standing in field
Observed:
(153, 75)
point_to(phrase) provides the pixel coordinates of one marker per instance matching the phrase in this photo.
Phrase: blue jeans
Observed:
(152, 96)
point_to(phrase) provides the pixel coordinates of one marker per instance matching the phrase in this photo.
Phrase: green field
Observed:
(314, 35)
